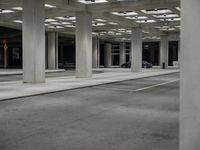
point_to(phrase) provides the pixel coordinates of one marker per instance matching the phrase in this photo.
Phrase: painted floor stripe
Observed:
(114, 89)
(149, 87)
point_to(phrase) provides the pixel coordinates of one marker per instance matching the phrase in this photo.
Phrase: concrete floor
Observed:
(106, 117)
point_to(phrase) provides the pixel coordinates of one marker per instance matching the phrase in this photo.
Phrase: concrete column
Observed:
(33, 41)
(108, 55)
(122, 53)
(136, 50)
(190, 73)
(95, 52)
(83, 45)
(52, 50)
(164, 46)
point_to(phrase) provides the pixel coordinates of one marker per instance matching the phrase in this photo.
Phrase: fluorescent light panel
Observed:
(113, 23)
(92, 1)
(17, 8)
(166, 16)
(5, 11)
(98, 24)
(50, 20)
(145, 21)
(178, 8)
(18, 21)
(101, 20)
(66, 18)
(171, 19)
(156, 11)
(49, 6)
(137, 17)
(125, 13)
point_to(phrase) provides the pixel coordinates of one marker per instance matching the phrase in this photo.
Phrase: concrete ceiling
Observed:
(112, 19)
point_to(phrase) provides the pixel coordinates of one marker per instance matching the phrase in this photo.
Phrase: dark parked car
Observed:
(145, 64)
(126, 65)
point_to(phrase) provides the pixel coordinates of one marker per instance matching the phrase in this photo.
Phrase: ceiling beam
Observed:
(132, 5)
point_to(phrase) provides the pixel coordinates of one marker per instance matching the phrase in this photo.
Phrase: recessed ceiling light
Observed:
(137, 17)
(178, 8)
(145, 21)
(94, 33)
(55, 23)
(18, 21)
(50, 20)
(167, 29)
(49, 6)
(5, 11)
(171, 19)
(126, 13)
(92, 1)
(101, 20)
(18, 8)
(66, 18)
(55, 27)
(158, 11)
(166, 16)
(113, 23)
(98, 24)
(65, 23)
(70, 26)
(118, 34)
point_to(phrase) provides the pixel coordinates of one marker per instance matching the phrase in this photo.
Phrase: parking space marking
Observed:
(114, 89)
(157, 85)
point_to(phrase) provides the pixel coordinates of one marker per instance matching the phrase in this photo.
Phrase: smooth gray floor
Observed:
(107, 117)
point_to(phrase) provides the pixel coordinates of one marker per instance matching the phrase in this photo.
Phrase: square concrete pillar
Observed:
(33, 41)
(122, 53)
(83, 45)
(52, 46)
(164, 49)
(136, 50)
(95, 52)
(108, 55)
(190, 73)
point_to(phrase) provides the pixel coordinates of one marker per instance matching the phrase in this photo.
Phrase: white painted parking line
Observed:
(152, 86)
(114, 89)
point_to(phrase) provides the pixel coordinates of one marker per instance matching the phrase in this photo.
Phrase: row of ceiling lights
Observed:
(157, 13)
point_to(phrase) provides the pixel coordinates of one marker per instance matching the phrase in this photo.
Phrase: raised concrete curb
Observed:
(15, 89)
(19, 72)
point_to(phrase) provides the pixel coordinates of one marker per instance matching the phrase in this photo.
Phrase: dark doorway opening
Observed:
(151, 52)
(173, 52)
(66, 53)
(102, 54)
